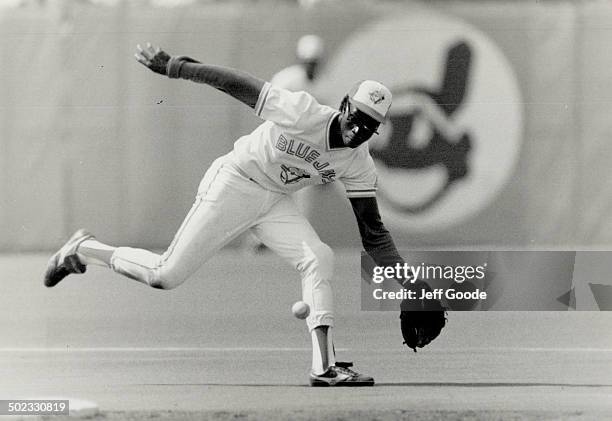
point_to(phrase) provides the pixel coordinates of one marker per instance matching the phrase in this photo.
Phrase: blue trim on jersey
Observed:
(360, 193)
(328, 148)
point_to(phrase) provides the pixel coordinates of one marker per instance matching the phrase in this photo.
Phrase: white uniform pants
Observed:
(227, 204)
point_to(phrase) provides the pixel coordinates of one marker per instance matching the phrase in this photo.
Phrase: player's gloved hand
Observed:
(421, 320)
(154, 58)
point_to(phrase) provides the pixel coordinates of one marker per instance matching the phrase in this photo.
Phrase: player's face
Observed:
(356, 127)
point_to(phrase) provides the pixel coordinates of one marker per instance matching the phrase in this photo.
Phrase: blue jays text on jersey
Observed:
(308, 154)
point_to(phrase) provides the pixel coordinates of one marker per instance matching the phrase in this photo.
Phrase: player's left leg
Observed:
(288, 233)
(217, 216)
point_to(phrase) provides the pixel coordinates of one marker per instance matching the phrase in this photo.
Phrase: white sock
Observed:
(331, 351)
(93, 252)
(318, 349)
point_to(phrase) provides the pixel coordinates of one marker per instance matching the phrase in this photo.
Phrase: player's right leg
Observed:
(288, 233)
(217, 216)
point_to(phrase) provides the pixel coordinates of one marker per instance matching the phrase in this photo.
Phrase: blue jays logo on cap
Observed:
(372, 98)
(377, 96)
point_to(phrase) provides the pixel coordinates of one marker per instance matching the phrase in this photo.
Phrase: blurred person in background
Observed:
(301, 76)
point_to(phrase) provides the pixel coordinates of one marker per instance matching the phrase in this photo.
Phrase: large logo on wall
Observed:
(456, 122)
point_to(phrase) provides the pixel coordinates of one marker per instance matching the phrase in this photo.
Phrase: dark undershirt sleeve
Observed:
(241, 85)
(375, 238)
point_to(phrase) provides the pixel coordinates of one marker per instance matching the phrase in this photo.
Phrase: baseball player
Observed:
(300, 76)
(300, 143)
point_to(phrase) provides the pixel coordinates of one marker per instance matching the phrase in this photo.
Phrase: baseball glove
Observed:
(421, 320)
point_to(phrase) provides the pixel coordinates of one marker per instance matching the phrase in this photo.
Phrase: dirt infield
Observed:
(141, 354)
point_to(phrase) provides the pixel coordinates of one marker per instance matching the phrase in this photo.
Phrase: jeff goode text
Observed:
(436, 294)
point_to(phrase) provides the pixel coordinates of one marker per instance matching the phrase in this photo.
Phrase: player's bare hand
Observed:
(153, 57)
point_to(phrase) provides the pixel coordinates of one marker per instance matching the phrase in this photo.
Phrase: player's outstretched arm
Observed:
(375, 238)
(421, 320)
(239, 84)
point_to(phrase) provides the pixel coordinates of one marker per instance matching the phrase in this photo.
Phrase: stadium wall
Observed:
(90, 138)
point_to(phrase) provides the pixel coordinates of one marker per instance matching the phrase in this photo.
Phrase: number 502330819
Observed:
(34, 407)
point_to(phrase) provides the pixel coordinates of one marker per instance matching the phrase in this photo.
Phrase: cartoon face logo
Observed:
(291, 175)
(377, 96)
(445, 146)
(455, 127)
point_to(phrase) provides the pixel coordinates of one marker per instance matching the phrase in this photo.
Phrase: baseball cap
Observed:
(372, 98)
(309, 47)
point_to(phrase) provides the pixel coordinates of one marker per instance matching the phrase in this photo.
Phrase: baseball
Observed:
(300, 309)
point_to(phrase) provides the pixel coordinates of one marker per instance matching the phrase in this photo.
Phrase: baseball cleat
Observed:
(65, 261)
(340, 375)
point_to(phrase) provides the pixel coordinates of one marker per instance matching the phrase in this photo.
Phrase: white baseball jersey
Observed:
(290, 150)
